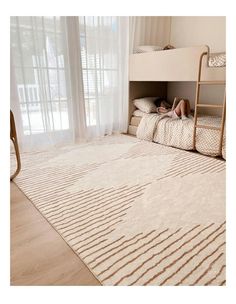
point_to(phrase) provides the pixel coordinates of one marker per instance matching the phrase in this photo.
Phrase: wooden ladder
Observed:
(201, 105)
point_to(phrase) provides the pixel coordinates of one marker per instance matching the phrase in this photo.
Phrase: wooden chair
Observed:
(13, 138)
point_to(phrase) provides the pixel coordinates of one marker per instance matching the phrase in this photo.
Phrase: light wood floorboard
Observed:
(39, 256)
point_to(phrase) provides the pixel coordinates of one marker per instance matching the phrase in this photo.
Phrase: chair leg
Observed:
(15, 143)
(13, 137)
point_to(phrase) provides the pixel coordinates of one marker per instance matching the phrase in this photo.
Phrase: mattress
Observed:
(135, 121)
(132, 130)
(178, 133)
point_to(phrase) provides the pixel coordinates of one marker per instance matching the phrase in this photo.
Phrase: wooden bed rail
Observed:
(198, 105)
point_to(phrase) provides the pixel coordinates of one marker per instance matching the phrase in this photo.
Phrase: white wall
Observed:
(210, 95)
(151, 30)
(193, 31)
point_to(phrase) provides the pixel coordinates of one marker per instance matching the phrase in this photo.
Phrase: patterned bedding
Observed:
(179, 133)
(217, 60)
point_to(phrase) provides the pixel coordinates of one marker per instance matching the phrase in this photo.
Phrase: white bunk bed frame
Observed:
(173, 65)
(149, 73)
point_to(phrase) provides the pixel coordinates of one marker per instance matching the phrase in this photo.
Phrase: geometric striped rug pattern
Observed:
(136, 213)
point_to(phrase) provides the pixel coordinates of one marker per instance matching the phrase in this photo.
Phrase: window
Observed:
(99, 56)
(39, 60)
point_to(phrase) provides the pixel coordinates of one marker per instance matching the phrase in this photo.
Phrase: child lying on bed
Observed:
(179, 109)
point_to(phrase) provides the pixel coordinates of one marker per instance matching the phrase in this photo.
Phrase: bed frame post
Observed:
(197, 99)
(222, 127)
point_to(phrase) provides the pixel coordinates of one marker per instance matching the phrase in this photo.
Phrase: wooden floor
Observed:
(39, 256)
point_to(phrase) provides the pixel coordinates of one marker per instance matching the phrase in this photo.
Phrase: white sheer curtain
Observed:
(40, 82)
(104, 46)
(69, 78)
(149, 30)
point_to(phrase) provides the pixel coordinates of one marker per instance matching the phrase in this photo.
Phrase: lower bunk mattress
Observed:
(178, 133)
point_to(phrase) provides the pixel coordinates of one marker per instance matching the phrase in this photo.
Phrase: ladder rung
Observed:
(209, 105)
(212, 82)
(207, 127)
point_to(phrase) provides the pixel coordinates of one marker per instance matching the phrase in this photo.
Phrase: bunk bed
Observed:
(149, 74)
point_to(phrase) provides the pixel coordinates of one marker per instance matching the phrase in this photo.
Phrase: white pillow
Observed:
(146, 104)
(138, 113)
(147, 48)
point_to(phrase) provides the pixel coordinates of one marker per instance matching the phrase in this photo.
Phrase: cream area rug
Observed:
(136, 212)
